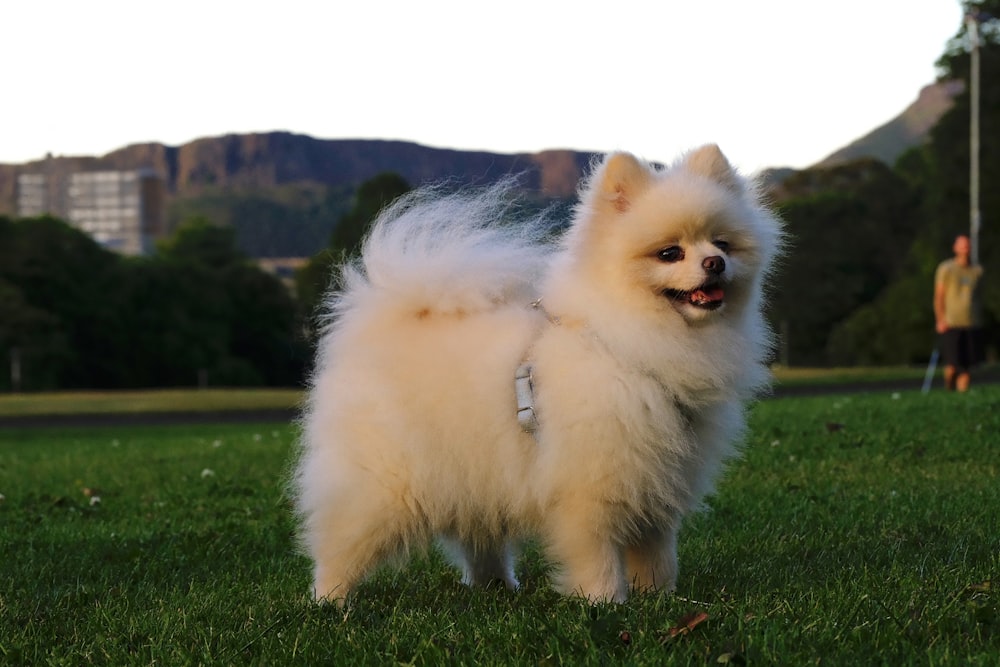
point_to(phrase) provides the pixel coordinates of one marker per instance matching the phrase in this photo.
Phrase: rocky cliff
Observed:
(267, 160)
(887, 142)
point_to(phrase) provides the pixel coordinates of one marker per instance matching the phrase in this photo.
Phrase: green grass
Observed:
(857, 530)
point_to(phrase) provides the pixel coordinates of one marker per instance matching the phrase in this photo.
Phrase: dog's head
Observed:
(691, 239)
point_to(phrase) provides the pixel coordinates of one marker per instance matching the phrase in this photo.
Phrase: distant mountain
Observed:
(262, 161)
(907, 130)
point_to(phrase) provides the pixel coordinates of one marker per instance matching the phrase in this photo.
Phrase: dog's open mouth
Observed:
(708, 296)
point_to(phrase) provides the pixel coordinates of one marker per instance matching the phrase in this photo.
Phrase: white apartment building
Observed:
(121, 210)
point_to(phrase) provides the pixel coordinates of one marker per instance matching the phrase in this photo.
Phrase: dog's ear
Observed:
(619, 181)
(709, 161)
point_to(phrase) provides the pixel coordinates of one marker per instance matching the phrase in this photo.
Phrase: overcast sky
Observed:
(774, 82)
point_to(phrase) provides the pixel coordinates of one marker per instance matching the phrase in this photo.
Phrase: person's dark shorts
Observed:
(962, 348)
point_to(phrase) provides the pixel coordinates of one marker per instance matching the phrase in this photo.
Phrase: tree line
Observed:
(74, 315)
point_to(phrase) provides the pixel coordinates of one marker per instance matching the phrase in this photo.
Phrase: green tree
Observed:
(851, 228)
(265, 325)
(199, 241)
(313, 280)
(62, 277)
(83, 317)
(895, 329)
(176, 317)
(373, 195)
(247, 319)
(34, 336)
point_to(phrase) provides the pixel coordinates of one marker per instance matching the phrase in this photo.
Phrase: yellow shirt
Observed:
(961, 293)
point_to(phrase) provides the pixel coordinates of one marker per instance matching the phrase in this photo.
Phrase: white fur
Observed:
(411, 430)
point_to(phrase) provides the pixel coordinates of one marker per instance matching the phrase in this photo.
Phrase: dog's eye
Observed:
(721, 245)
(674, 253)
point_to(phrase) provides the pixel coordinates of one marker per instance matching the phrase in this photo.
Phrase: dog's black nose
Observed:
(714, 265)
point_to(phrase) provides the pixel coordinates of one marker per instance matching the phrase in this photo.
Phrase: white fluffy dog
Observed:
(479, 385)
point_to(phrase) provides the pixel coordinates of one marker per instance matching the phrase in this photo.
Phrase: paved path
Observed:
(989, 376)
(150, 418)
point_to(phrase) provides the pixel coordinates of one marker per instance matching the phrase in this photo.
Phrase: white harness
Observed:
(524, 384)
(524, 389)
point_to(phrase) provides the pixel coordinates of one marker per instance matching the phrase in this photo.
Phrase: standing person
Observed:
(957, 314)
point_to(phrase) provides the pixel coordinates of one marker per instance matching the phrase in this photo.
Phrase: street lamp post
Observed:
(975, 217)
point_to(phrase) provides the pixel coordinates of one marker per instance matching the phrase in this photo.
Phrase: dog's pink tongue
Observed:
(709, 295)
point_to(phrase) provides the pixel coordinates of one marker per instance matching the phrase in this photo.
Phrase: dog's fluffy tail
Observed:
(432, 252)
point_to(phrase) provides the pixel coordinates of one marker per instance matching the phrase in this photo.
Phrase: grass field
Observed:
(857, 530)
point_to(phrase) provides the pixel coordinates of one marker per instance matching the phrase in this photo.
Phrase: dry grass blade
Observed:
(687, 623)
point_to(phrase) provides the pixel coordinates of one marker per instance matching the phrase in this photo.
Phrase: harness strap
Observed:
(525, 391)
(524, 382)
